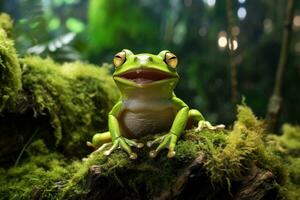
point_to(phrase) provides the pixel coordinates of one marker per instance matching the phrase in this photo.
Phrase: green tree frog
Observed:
(148, 105)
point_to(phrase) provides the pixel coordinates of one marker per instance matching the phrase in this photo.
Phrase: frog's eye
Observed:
(119, 59)
(171, 60)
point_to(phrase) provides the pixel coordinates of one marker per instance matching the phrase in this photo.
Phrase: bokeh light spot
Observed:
(222, 41)
(242, 12)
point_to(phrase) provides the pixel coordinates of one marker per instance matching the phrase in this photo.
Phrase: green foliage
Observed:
(75, 25)
(76, 97)
(10, 72)
(110, 28)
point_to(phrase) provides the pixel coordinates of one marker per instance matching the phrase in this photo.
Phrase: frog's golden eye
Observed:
(171, 60)
(119, 59)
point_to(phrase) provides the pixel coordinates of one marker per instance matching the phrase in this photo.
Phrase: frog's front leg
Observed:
(169, 140)
(118, 141)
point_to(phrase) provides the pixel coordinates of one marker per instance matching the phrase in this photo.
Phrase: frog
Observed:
(148, 106)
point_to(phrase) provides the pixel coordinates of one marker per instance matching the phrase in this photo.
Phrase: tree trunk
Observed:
(275, 101)
(231, 38)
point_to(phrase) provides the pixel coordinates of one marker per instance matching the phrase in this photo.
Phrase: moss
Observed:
(6, 23)
(10, 72)
(36, 148)
(118, 169)
(41, 176)
(228, 155)
(287, 147)
(76, 96)
(290, 138)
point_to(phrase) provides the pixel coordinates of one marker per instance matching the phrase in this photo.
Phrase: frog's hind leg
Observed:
(100, 141)
(196, 119)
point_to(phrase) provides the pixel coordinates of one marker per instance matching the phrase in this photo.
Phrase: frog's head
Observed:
(145, 70)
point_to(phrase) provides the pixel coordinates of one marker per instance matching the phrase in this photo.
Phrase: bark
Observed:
(192, 183)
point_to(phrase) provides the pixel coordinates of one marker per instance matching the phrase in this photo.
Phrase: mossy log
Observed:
(10, 72)
(65, 104)
(223, 164)
(191, 182)
(208, 165)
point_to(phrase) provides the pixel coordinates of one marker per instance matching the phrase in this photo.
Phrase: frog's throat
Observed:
(157, 89)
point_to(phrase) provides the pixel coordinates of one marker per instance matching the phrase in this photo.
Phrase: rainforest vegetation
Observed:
(238, 64)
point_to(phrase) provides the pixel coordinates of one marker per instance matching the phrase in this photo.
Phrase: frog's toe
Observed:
(133, 156)
(101, 148)
(156, 141)
(125, 145)
(89, 144)
(153, 153)
(207, 125)
(220, 126)
(134, 143)
(217, 127)
(149, 144)
(171, 153)
(140, 145)
(167, 141)
(112, 148)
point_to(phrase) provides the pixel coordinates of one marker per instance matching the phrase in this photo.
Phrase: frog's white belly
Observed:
(140, 118)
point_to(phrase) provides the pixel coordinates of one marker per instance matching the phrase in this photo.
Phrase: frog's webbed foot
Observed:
(207, 125)
(125, 144)
(166, 141)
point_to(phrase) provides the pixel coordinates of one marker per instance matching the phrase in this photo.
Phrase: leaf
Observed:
(75, 25)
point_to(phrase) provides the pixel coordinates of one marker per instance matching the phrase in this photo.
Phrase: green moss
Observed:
(6, 23)
(10, 72)
(36, 148)
(290, 138)
(228, 155)
(287, 146)
(76, 96)
(41, 176)
(118, 169)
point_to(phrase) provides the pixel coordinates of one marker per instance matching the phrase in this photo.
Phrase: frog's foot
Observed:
(207, 125)
(102, 147)
(96, 150)
(125, 144)
(166, 141)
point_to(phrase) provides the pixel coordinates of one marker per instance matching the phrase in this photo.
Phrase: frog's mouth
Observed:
(145, 76)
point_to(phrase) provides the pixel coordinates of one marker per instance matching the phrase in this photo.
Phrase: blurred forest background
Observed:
(197, 31)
